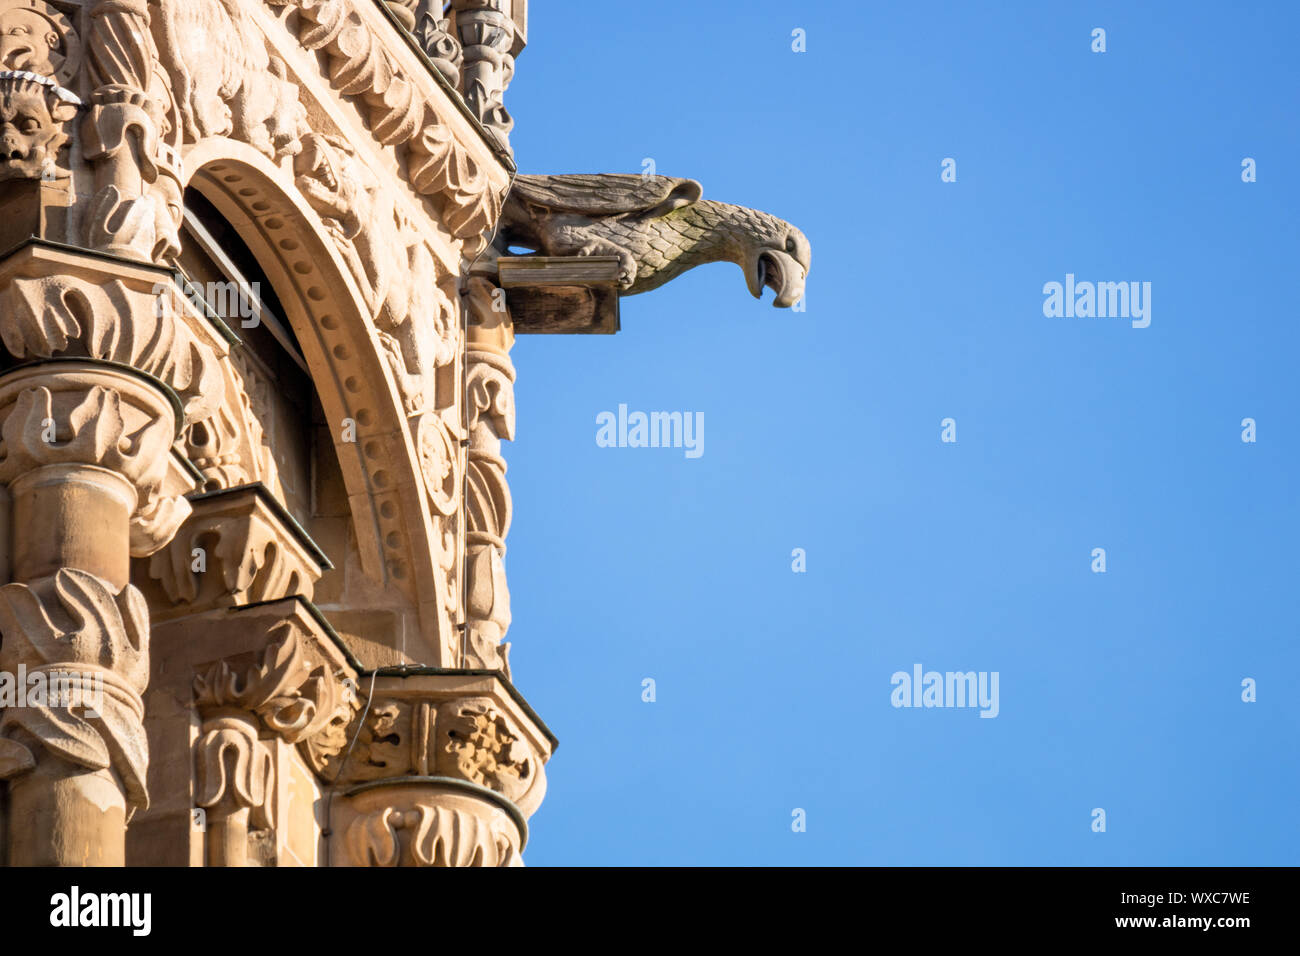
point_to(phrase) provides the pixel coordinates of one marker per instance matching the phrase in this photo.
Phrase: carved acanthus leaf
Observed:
(428, 835)
(291, 692)
(92, 431)
(68, 315)
(235, 769)
(92, 424)
(76, 621)
(436, 163)
(234, 549)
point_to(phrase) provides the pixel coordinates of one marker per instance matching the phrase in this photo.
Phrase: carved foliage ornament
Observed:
(120, 425)
(430, 835)
(434, 34)
(235, 548)
(485, 748)
(230, 448)
(291, 690)
(470, 739)
(390, 261)
(415, 320)
(75, 623)
(487, 35)
(436, 164)
(291, 693)
(110, 319)
(135, 209)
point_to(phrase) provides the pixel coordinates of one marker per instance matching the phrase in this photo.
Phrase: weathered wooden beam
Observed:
(573, 295)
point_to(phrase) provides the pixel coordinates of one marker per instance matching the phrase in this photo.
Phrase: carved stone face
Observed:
(31, 128)
(29, 41)
(325, 180)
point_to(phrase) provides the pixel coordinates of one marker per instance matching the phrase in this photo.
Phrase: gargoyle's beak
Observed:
(777, 271)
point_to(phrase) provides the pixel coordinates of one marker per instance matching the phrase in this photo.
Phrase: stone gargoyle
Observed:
(658, 226)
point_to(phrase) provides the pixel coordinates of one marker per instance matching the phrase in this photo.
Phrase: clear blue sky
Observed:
(1119, 690)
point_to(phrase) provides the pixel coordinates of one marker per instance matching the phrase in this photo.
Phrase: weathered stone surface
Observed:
(255, 352)
(658, 227)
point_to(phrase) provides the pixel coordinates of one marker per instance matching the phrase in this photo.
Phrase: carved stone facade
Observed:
(256, 314)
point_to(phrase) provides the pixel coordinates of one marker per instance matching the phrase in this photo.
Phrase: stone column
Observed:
(98, 370)
(85, 457)
(490, 405)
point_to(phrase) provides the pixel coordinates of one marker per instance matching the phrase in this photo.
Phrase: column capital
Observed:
(272, 693)
(446, 769)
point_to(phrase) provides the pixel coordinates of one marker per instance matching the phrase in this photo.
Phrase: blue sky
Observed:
(1119, 690)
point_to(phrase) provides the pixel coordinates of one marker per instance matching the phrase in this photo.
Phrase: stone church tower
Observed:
(261, 266)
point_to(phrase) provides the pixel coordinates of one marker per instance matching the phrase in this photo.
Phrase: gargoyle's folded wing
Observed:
(605, 194)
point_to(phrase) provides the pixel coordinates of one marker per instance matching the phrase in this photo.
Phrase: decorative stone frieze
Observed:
(400, 111)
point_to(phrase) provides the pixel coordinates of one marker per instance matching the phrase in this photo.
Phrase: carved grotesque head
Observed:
(324, 171)
(778, 257)
(30, 41)
(33, 110)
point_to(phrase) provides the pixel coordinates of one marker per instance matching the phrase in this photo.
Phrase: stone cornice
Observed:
(442, 151)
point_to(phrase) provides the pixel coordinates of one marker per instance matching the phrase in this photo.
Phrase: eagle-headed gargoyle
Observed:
(658, 227)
